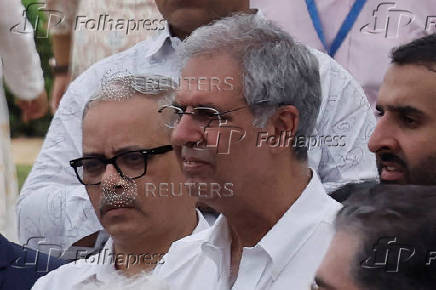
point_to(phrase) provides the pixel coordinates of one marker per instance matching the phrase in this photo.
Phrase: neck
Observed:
(254, 212)
(140, 253)
(251, 218)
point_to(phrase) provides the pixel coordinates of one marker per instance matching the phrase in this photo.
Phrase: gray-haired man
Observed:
(276, 227)
(126, 160)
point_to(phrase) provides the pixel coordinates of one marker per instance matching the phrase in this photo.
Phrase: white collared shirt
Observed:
(53, 205)
(98, 268)
(287, 257)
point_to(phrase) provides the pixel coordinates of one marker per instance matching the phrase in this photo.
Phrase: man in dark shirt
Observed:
(20, 267)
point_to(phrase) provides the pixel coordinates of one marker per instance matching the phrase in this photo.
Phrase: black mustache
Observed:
(389, 157)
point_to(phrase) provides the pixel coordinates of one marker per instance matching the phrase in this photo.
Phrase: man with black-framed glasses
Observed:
(130, 164)
(134, 184)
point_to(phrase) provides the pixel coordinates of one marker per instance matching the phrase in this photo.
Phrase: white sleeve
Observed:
(53, 205)
(345, 114)
(21, 65)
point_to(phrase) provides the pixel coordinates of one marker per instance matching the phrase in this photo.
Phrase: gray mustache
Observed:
(112, 199)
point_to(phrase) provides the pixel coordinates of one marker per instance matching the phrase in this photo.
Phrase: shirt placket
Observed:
(251, 269)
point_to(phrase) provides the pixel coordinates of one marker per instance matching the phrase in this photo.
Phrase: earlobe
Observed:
(286, 120)
(284, 125)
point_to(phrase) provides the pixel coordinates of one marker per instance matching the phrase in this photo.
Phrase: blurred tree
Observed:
(37, 128)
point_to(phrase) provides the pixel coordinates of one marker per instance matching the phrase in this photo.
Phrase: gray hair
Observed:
(274, 66)
(123, 86)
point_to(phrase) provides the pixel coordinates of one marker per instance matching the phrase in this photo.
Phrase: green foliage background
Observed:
(37, 128)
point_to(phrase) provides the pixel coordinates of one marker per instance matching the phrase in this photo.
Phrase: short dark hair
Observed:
(421, 51)
(406, 213)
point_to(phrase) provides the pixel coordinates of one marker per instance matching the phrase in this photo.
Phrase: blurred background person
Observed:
(94, 29)
(385, 239)
(21, 70)
(359, 34)
(20, 267)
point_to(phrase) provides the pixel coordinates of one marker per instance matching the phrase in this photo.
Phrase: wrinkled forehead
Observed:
(135, 118)
(210, 79)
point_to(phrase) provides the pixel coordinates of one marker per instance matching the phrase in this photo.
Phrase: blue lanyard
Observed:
(343, 31)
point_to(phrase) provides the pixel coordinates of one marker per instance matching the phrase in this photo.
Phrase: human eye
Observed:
(408, 121)
(206, 114)
(92, 165)
(132, 158)
(379, 112)
(177, 107)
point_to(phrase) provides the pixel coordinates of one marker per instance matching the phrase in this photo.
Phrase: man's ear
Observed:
(283, 126)
(286, 120)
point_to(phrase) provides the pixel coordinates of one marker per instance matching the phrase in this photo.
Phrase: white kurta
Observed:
(20, 67)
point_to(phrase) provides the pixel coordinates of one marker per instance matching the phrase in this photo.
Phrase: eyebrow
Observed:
(208, 105)
(118, 151)
(128, 148)
(402, 109)
(322, 283)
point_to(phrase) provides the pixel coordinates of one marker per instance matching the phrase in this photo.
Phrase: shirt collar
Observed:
(286, 237)
(106, 269)
(297, 224)
(163, 42)
(202, 223)
(105, 262)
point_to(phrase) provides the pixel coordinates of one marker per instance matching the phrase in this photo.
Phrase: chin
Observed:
(121, 225)
(189, 19)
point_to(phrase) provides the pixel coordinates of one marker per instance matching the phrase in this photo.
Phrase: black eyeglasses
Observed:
(206, 117)
(130, 164)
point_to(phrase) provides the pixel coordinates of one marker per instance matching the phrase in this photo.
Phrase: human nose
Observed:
(384, 136)
(111, 177)
(186, 131)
